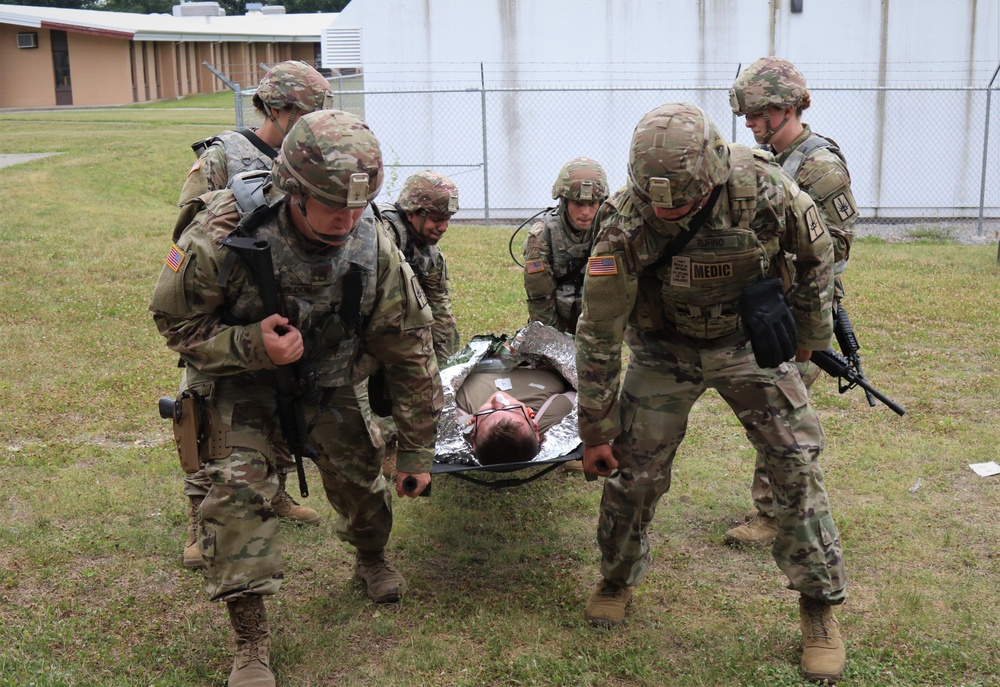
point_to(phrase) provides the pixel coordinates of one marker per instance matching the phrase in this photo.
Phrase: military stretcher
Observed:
(535, 344)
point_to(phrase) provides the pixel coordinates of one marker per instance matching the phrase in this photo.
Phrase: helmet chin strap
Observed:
(301, 206)
(291, 120)
(771, 131)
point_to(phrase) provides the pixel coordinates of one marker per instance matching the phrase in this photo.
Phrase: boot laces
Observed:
(818, 628)
(254, 644)
(283, 498)
(609, 591)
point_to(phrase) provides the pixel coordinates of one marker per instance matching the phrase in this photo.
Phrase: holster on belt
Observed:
(186, 427)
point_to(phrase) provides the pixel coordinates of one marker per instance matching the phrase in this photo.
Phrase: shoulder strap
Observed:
(258, 143)
(248, 189)
(798, 157)
(742, 185)
(682, 239)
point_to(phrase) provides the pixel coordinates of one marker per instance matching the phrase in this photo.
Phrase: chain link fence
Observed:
(922, 158)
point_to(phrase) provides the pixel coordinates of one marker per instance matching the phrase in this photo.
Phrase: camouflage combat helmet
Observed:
(331, 156)
(676, 156)
(581, 179)
(430, 192)
(768, 81)
(294, 84)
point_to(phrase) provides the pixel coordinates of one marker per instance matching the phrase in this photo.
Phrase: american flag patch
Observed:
(602, 264)
(534, 266)
(175, 258)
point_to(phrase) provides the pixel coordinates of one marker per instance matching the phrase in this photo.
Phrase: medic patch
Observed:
(844, 207)
(701, 271)
(813, 224)
(534, 266)
(175, 258)
(602, 265)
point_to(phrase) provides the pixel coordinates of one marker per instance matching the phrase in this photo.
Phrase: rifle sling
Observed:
(682, 239)
(258, 143)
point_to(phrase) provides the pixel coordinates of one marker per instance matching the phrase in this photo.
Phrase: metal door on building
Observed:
(60, 63)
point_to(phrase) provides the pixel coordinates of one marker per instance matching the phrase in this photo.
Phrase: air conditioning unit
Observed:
(27, 40)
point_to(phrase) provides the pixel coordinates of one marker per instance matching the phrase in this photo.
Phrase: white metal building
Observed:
(520, 74)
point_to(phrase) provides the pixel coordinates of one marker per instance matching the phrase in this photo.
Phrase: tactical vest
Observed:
(241, 154)
(328, 295)
(569, 252)
(699, 287)
(797, 158)
(421, 260)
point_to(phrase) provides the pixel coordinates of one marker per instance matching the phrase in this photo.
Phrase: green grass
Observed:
(92, 517)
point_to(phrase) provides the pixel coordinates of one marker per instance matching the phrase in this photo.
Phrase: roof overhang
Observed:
(92, 31)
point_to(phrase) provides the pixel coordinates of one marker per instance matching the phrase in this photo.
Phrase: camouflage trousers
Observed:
(760, 486)
(197, 484)
(238, 531)
(663, 381)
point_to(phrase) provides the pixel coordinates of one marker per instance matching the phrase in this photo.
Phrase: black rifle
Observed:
(843, 330)
(838, 366)
(256, 255)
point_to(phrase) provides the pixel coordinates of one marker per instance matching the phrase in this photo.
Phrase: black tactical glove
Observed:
(768, 322)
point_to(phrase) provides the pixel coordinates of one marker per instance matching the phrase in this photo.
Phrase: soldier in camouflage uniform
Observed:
(771, 93)
(558, 245)
(698, 221)
(287, 90)
(352, 304)
(418, 220)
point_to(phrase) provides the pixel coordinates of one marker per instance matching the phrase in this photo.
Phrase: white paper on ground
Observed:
(986, 469)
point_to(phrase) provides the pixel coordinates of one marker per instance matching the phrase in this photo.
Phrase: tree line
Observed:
(232, 7)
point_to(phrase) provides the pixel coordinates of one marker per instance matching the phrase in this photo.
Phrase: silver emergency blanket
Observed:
(539, 346)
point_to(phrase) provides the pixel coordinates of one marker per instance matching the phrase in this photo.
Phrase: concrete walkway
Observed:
(8, 159)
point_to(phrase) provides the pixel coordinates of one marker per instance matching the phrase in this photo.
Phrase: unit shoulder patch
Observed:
(813, 224)
(844, 206)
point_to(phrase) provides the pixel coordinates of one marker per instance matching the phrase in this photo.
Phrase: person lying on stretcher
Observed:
(509, 394)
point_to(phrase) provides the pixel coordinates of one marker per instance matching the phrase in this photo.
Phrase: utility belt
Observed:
(763, 317)
(669, 332)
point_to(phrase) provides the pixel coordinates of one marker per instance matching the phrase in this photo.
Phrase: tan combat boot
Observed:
(287, 507)
(251, 666)
(759, 532)
(192, 554)
(823, 655)
(606, 606)
(384, 584)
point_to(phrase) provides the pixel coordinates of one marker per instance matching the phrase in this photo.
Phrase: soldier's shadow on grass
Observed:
(472, 540)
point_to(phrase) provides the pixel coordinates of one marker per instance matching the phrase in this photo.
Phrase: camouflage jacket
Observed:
(717, 262)
(209, 312)
(554, 258)
(428, 263)
(227, 153)
(822, 173)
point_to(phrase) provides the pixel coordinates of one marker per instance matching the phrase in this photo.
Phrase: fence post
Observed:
(986, 148)
(736, 117)
(486, 167)
(236, 92)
